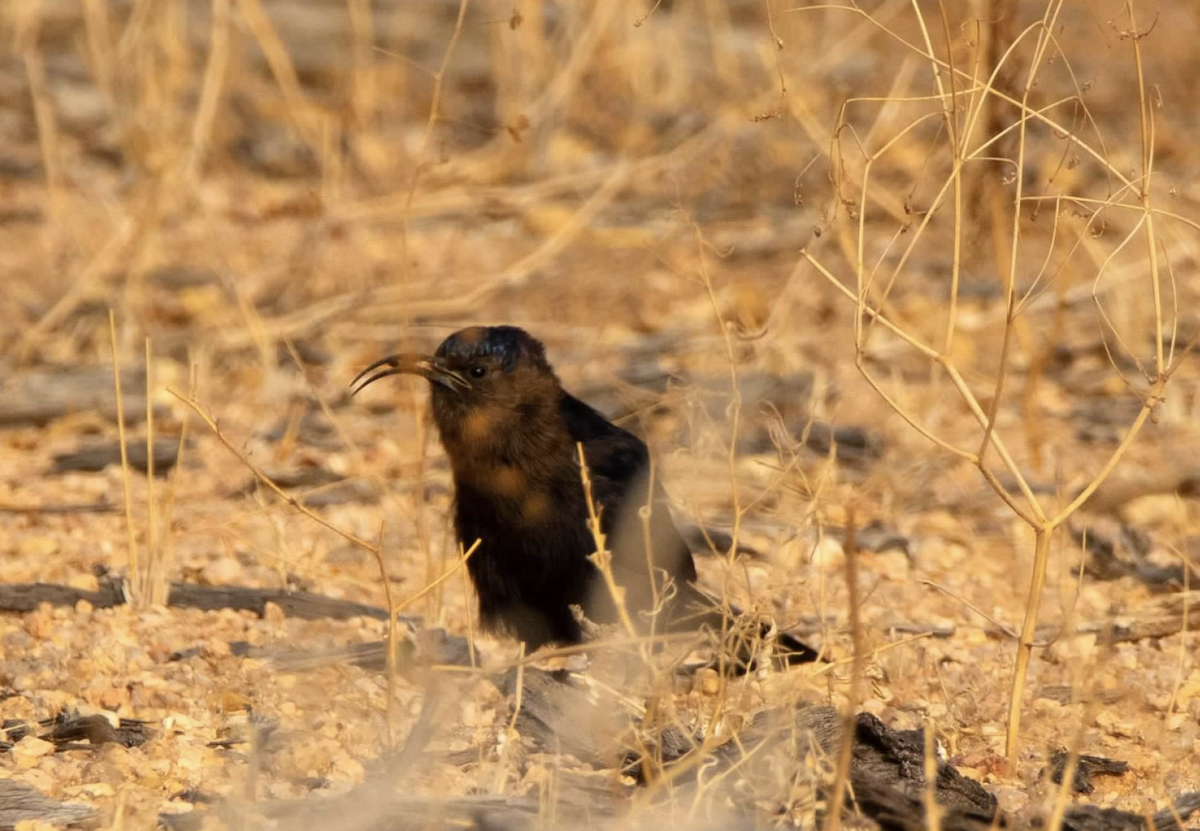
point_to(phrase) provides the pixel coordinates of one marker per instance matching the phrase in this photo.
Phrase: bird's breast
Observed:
(517, 498)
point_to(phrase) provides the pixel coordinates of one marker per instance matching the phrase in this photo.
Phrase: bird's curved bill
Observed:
(410, 363)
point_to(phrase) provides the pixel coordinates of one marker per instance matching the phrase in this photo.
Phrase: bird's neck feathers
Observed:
(515, 424)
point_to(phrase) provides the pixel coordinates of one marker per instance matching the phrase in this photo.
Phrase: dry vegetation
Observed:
(925, 269)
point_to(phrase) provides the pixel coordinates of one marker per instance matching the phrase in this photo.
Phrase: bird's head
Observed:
(484, 379)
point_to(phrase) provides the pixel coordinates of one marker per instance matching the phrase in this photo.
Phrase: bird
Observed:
(512, 434)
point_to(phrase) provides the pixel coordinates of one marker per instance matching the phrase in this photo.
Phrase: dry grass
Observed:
(969, 227)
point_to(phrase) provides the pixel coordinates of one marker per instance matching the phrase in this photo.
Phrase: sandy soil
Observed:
(278, 197)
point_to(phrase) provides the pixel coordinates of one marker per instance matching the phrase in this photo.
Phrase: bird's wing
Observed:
(619, 465)
(616, 458)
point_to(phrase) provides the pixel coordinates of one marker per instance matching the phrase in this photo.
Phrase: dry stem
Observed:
(871, 305)
(134, 572)
(841, 781)
(602, 558)
(374, 549)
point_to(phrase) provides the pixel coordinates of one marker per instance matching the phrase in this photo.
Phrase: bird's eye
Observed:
(477, 371)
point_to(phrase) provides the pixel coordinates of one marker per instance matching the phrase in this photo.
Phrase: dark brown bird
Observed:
(511, 432)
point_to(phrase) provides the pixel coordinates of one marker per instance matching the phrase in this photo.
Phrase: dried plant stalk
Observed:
(972, 104)
(131, 542)
(374, 549)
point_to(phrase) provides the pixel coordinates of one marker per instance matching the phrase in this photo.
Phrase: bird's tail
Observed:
(745, 636)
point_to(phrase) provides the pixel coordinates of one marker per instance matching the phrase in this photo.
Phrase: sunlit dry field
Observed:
(901, 289)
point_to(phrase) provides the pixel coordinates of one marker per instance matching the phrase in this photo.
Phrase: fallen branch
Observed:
(1157, 618)
(26, 597)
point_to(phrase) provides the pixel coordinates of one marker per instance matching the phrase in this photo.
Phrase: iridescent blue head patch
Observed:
(508, 344)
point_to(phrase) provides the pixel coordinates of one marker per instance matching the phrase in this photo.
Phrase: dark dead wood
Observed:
(96, 456)
(1093, 818)
(315, 430)
(892, 809)
(20, 802)
(174, 276)
(1156, 618)
(874, 537)
(1085, 768)
(883, 756)
(304, 476)
(17, 216)
(12, 730)
(70, 729)
(372, 656)
(431, 647)
(60, 508)
(562, 713)
(1175, 473)
(25, 597)
(698, 540)
(349, 492)
(37, 398)
(326, 487)
(194, 796)
(854, 443)
(907, 628)
(239, 649)
(372, 809)
(305, 605)
(1124, 551)
(887, 767)
(1066, 694)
